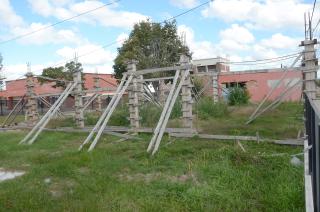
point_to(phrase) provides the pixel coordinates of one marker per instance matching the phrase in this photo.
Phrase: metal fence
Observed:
(312, 124)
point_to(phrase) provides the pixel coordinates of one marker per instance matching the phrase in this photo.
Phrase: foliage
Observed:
(238, 96)
(177, 109)
(198, 85)
(120, 116)
(152, 45)
(150, 114)
(206, 109)
(61, 73)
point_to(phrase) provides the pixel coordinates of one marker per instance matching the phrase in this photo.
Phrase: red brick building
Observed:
(15, 89)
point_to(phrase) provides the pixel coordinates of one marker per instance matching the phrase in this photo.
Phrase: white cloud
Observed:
(106, 16)
(280, 41)
(184, 3)
(122, 38)
(263, 14)
(200, 49)
(8, 17)
(49, 35)
(238, 34)
(98, 58)
(15, 71)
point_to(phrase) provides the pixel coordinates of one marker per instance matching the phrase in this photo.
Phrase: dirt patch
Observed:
(58, 189)
(7, 175)
(149, 177)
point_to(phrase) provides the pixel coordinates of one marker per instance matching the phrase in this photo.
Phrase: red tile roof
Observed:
(17, 88)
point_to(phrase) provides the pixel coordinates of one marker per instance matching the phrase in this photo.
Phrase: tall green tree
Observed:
(152, 45)
(61, 73)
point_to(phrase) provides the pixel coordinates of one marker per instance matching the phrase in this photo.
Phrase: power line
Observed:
(263, 61)
(114, 42)
(57, 23)
(314, 5)
(183, 13)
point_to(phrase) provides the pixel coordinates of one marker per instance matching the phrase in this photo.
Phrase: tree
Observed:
(61, 73)
(152, 45)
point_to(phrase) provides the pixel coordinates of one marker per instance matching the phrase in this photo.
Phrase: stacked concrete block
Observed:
(32, 104)
(134, 91)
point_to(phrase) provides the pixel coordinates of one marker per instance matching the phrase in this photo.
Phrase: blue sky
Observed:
(237, 29)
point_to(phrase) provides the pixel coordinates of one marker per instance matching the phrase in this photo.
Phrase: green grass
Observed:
(185, 175)
(283, 122)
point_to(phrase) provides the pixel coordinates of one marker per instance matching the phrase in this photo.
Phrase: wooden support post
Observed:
(98, 99)
(215, 94)
(310, 71)
(134, 93)
(78, 99)
(32, 104)
(186, 96)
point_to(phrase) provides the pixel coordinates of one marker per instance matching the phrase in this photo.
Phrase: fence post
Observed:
(78, 98)
(186, 96)
(32, 104)
(133, 94)
(98, 99)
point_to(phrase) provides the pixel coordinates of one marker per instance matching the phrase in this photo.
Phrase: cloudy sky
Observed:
(239, 29)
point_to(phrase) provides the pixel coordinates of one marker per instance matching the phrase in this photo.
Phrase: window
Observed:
(201, 69)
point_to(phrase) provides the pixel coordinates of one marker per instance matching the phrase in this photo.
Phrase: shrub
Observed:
(238, 96)
(206, 108)
(120, 116)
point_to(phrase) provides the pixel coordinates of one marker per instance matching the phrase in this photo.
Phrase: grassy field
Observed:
(186, 175)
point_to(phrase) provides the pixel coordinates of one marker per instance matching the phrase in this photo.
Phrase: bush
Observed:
(206, 108)
(120, 116)
(238, 96)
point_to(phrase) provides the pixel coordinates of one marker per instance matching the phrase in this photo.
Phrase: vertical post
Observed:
(215, 92)
(310, 67)
(32, 105)
(98, 99)
(133, 93)
(186, 96)
(162, 95)
(78, 98)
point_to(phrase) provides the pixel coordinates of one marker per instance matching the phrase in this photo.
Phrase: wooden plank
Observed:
(307, 180)
(42, 120)
(165, 121)
(105, 112)
(164, 111)
(164, 69)
(51, 113)
(104, 123)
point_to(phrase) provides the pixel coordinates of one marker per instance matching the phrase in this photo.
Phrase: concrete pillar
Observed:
(310, 70)
(133, 94)
(79, 117)
(186, 96)
(98, 99)
(32, 104)
(162, 92)
(215, 91)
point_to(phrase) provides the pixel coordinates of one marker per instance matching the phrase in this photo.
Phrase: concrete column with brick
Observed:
(215, 90)
(186, 96)
(78, 100)
(133, 95)
(310, 67)
(32, 104)
(98, 99)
